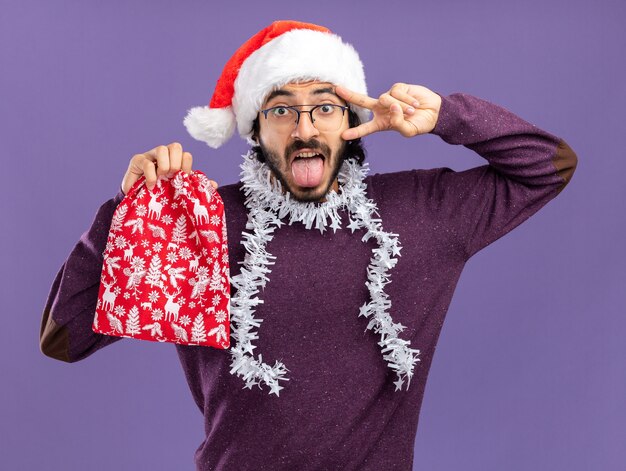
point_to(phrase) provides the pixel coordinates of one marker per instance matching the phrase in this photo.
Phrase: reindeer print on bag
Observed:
(170, 282)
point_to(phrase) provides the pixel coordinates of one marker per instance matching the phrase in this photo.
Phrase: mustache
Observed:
(313, 144)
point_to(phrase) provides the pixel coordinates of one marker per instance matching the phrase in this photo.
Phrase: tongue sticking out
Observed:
(308, 171)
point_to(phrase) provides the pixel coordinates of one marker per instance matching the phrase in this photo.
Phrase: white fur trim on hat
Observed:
(213, 126)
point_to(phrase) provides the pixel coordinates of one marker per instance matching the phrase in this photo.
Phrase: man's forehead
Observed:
(312, 87)
(306, 84)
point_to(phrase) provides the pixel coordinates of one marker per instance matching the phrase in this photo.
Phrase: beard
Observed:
(279, 166)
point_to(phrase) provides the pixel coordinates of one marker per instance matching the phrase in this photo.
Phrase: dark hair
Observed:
(354, 149)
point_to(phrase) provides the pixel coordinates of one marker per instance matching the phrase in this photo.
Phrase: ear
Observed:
(255, 136)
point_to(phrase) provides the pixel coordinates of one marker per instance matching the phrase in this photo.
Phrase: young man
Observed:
(330, 239)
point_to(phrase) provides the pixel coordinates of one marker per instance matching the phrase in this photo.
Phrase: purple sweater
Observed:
(340, 414)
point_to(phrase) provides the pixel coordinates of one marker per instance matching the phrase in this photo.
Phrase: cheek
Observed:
(338, 147)
(273, 141)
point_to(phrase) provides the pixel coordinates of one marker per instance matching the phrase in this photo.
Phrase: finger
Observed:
(150, 172)
(361, 130)
(134, 172)
(397, 118)
(135, 166)
(402, 95)
(404, 127)
(213, 184)
(387, 100)
(163, 160)
(151, 154)
(354, 97)
(176, 158)
(186, 163)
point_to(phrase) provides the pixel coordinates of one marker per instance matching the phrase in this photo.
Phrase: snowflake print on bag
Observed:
(165, 272)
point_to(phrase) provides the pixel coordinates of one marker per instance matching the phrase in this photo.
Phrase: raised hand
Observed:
(408, 109)
(158, 162)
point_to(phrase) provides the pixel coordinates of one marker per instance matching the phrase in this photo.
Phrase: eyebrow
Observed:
(318, 91)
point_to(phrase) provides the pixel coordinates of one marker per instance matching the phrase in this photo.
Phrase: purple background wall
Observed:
(529, 371)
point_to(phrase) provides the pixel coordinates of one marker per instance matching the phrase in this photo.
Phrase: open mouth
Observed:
(299, 155)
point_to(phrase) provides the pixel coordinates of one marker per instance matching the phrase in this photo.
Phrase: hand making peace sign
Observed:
(408, 109)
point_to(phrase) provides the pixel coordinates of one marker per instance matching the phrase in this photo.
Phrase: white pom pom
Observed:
(213, 126)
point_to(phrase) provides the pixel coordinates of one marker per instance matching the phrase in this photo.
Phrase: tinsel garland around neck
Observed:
(267, 205)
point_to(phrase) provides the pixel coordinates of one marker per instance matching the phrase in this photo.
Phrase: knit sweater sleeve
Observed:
(527, 168)
(66, 332)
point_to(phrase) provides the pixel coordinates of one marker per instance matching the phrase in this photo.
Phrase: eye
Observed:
(280, 111)
(326, 109)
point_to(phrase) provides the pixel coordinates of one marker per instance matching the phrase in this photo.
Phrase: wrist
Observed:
(439, 114)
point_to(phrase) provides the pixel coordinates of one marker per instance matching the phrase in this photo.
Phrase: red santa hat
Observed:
(283, 52)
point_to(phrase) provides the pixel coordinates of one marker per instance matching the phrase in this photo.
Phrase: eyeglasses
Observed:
(326, 117)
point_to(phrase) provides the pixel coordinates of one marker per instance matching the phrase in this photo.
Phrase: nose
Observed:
(304, 130)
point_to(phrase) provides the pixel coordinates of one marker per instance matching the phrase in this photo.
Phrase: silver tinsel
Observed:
(267, 205)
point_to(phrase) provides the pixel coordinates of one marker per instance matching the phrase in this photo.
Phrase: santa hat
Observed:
(283, 52)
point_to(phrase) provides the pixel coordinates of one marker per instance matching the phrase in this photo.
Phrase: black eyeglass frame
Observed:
(299, 112)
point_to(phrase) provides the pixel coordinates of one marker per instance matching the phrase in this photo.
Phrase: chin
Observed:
(312, 194)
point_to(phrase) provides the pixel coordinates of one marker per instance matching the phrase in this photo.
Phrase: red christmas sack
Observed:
(165, 275)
